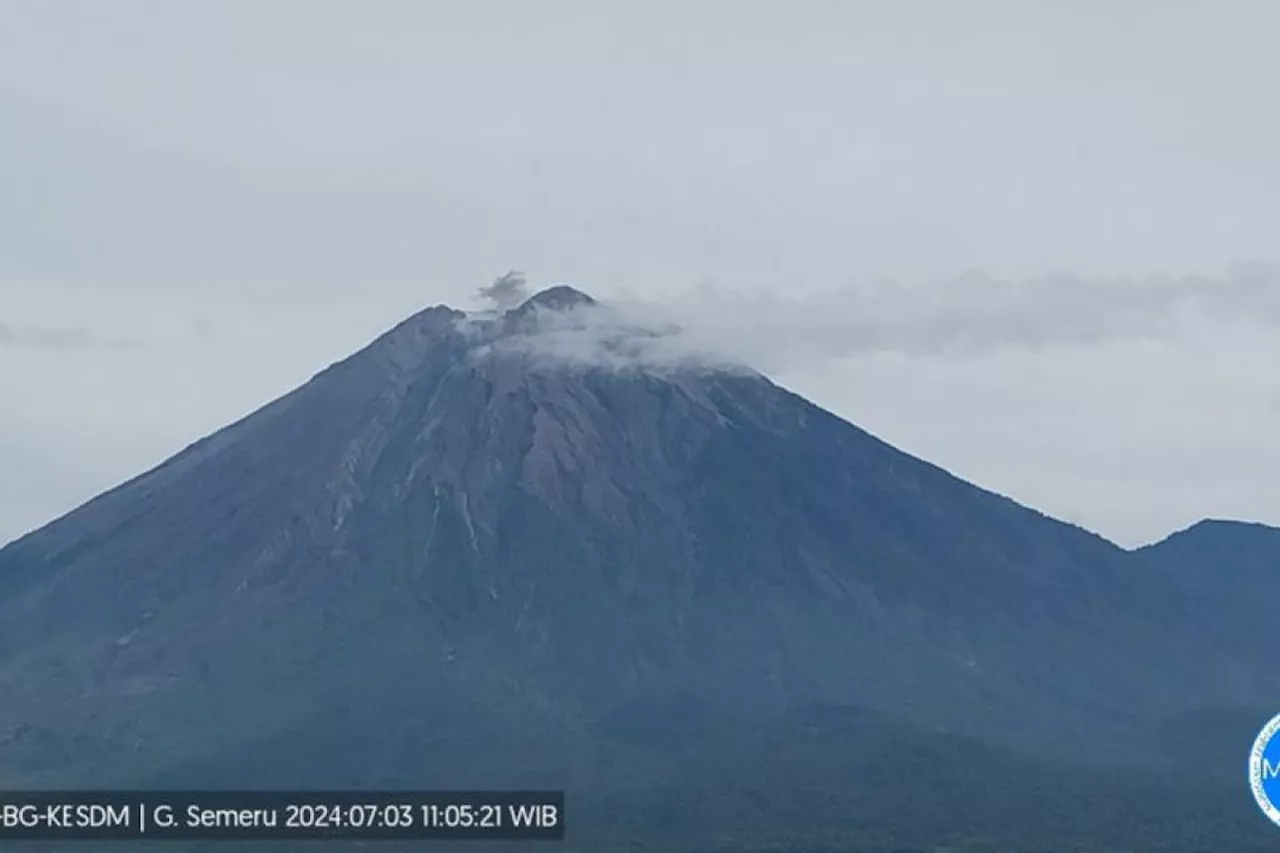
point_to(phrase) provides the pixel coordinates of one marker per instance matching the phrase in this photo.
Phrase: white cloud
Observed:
(621, 337)
(965, 317)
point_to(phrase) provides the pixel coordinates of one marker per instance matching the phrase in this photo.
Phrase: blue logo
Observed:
(1264, 770)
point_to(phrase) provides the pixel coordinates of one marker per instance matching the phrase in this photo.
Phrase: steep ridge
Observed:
(468, 552)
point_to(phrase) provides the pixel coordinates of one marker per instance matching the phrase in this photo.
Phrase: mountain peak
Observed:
(1212, 529)
(556, 298)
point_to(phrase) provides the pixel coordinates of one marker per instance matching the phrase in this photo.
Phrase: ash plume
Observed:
(507, 291)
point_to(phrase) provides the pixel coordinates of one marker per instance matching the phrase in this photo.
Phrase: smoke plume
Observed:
(507, 291)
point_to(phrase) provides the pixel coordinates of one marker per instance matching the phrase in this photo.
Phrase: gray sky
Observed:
(1028, 241)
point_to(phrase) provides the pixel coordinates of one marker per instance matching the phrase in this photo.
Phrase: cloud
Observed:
(61, 339)
(615, 337)
(966, 316)
(971, 315)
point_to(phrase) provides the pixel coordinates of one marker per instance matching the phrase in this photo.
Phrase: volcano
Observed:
(554, 546)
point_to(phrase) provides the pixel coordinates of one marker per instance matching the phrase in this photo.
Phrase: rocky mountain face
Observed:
(535, 546)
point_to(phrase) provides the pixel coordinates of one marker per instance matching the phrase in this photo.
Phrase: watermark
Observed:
(1264, 770)
(281, 815)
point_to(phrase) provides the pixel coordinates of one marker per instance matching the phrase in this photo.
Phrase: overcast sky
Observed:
(1029, 241)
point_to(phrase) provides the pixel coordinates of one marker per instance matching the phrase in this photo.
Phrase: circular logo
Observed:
(1264, 770)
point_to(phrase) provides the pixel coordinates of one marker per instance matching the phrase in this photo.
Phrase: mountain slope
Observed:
(1229, 571)
(459, 554)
